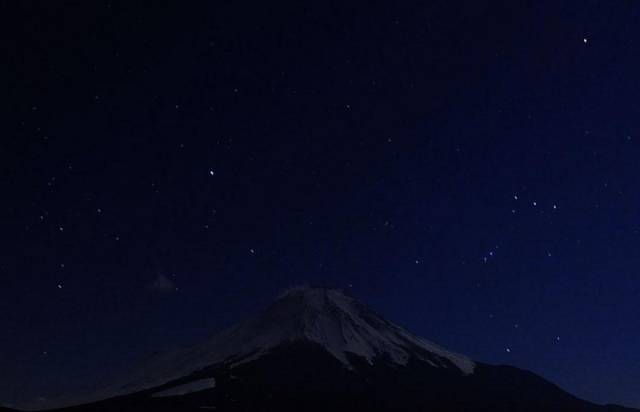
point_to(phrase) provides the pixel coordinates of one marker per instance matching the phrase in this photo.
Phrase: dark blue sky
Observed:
(468, 169)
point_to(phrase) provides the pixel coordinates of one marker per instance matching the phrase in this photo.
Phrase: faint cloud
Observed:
(162, 283)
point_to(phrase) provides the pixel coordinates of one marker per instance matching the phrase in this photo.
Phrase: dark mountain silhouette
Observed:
(320, 350)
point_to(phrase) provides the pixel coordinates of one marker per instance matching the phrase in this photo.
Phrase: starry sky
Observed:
(469, 169)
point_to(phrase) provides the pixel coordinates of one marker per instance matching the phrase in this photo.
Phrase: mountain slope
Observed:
(328, 317)
(318, 349)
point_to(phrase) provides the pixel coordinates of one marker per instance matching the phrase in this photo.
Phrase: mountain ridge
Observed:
(298, 313)
(320, 346)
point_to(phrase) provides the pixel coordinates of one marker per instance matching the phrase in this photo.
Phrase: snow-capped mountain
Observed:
(320, 349)
(338, 323)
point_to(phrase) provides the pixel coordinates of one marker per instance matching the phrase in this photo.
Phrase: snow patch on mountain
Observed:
(342, 325)
(191, 387)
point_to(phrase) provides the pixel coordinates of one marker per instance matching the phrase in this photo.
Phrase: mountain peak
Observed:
(344, 327)
(282, 358)
(311, 294)
(313, 298)
(327, 317)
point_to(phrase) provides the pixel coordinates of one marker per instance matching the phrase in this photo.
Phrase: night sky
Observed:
(471, 170)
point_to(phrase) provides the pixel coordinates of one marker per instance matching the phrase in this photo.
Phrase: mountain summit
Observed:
(342, 326)
(329, 318)
(317, 349)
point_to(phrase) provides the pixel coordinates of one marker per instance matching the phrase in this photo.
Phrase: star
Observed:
(585, 40)
(59, 285)
(212, 173)
(508, 350)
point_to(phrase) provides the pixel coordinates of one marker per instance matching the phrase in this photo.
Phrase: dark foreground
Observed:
(278, 382)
